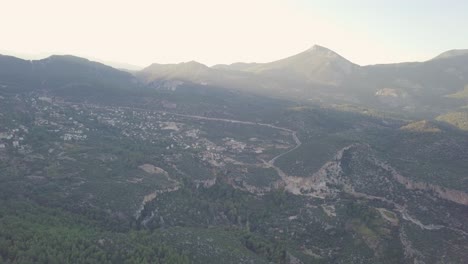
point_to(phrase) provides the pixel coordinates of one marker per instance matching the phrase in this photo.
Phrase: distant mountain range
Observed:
(308, 159)
(317, 74)
(63, 74)
(315, 65)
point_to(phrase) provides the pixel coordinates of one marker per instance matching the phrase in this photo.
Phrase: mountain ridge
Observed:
(318, 74)
(451, 54)
(191, 157)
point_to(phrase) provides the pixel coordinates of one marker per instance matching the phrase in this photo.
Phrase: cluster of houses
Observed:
(13, 137)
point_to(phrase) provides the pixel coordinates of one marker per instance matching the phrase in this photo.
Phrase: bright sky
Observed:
(141, 32)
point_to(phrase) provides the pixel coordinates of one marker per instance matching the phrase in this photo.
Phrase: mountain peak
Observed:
(315, 65)
(322, 55)
(322, 51)
(318, 48)
(452, 53)
(194, 64)
(191, 70)
(69, 58)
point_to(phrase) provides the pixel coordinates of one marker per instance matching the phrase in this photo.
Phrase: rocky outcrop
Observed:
(318, 184)
(151, 169)
(151, 197)
(205, 183)
(331, 174)
(444, 193)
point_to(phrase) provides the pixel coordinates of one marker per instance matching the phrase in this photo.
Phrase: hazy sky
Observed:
(220, 31)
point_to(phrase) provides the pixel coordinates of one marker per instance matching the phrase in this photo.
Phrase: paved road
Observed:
(234, 121)
(272, 161)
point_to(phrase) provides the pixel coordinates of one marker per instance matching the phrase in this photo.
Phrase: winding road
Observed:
(272, 161)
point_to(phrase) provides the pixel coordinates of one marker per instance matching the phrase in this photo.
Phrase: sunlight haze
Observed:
(213, 31)
(234, 132)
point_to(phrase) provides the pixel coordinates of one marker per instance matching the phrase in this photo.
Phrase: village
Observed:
(79, 122)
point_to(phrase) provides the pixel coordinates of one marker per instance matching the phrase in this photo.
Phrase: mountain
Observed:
(64, 74)
(420, 86)
(193, 71)
(319, 74)
(172, 75)
(193, 164)
(238, 66)
(38, 56)
(315, 65)
(122, 65)
(452, 54)
(306, 73)
(426, 89)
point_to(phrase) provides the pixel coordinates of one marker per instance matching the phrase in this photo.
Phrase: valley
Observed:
(178, 170)
(233, 132)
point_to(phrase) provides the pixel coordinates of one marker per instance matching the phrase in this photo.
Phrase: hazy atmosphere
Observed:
(234, 132)
(141, 32)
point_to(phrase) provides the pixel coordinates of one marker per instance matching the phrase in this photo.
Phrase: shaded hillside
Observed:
(65, 75)
(321, 75)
